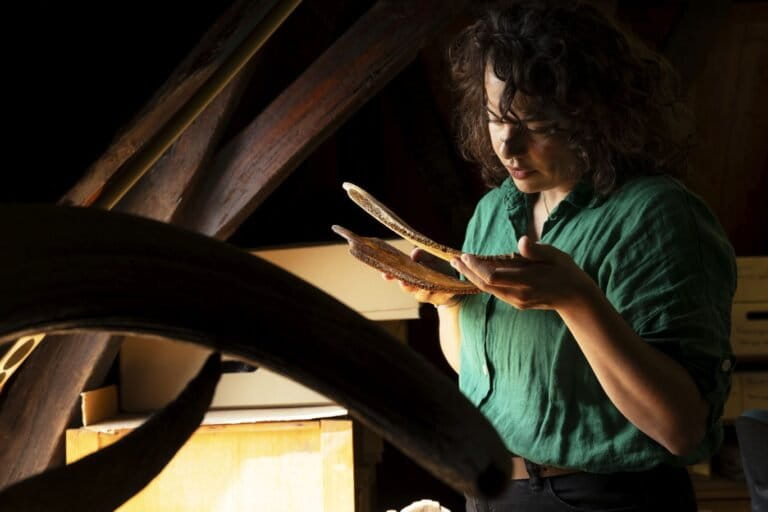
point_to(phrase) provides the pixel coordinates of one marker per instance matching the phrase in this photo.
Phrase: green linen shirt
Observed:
(664, 263)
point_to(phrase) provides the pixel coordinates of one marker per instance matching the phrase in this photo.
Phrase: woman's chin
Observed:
(527, 186)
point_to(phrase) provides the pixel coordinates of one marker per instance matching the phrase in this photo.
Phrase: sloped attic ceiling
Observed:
(115, 63)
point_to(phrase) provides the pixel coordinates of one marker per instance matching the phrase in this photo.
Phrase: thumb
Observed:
(536, 251)
(418, 255)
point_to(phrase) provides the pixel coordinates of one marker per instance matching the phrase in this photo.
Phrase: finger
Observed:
(469, 273)
(496, 272)
(536, 251)
(516, 277)
(423, 296)
(426, 259)
(480, 268)
(509, 277)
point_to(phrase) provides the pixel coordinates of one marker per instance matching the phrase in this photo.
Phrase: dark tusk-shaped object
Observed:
(64, 268)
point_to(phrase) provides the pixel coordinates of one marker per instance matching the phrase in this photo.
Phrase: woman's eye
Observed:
(544, 128)
(498, 121)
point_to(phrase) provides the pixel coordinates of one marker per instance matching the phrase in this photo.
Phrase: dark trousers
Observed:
(664, 488)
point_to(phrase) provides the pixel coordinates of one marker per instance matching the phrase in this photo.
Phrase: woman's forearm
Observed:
(650, 389)
(450, 333)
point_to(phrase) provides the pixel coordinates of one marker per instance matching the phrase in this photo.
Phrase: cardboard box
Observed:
(755, 390)
(332, 269)
(154, 371)
(749, 328)
(749, 315)
(752, 275)
(749, 390)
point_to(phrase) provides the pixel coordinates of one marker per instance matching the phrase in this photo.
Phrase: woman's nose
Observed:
(513, 142)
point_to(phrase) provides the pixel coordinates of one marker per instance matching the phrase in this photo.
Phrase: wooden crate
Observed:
(286, 466)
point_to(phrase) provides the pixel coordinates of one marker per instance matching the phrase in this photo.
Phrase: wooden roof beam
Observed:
(377, 47)
(207, 58)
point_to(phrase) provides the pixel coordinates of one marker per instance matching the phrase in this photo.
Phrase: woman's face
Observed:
(527, 143)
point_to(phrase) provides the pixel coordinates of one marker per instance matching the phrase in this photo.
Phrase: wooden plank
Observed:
(338, 469)
(80, 443)
(380, 44)
(221, 41)
(689, 44)
(730, 159)
(744, 147)
(712, 96)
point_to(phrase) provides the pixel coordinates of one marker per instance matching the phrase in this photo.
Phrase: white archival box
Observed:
(752, 275)
(153, 371)
(749, 316)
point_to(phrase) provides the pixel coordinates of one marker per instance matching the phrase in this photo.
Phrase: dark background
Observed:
(79, 71)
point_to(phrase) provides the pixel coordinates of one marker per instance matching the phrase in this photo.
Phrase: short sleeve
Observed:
(672, 275)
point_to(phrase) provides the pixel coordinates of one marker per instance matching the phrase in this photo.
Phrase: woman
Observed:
(601, 353)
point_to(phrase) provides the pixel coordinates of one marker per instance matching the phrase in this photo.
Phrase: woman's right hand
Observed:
(420, 294)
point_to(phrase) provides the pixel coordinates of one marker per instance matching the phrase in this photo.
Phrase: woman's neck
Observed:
(552, 197)
(543, 206)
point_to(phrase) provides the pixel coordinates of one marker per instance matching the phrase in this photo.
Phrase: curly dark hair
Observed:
(620, 102)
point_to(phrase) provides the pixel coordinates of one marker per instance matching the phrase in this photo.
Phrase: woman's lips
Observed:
(518, 173)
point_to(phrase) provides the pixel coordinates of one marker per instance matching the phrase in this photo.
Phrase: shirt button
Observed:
(726, 365)
(485, 369)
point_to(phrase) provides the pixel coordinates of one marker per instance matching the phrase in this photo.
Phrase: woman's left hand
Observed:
(547, 278)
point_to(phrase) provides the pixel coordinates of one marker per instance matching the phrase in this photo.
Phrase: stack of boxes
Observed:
(749, 338)
(749, 387)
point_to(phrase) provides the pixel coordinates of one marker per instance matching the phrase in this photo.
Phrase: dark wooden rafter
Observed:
(217, 45)
(158, 194)
(377, 47)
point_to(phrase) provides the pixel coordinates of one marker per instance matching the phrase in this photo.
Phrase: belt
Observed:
(520, 472)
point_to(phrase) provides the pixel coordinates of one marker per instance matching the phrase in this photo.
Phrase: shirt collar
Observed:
(582, 196)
